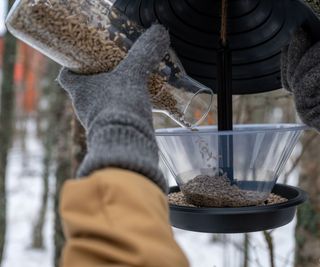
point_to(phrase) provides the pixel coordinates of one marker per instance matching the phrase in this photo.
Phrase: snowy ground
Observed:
(203, 250)
(24, 187)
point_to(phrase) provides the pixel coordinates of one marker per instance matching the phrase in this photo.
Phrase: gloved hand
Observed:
(115, 110)
(300, 66)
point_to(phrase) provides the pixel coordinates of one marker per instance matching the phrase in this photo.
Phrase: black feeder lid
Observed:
(239, 220)
(257, 31)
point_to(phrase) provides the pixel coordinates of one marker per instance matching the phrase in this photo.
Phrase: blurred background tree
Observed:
(7, 101)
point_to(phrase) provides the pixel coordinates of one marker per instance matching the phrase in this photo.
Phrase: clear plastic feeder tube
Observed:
(260, 153)
(92, 36)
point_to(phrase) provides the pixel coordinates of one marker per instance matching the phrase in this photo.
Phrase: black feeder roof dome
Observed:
(257, 31)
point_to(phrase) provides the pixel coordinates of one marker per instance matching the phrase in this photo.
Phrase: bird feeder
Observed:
(234, 48)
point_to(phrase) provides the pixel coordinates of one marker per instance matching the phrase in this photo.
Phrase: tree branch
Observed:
(269, 240)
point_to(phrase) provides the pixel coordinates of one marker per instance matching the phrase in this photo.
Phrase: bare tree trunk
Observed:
(269, 240)
(246, 250)
(6, 125)
(37, 237)
(52, 94)
(308, 223)
(63, 171)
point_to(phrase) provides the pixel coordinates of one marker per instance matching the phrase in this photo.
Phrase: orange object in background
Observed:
(30, 93)
(197, 114)
(210, 119)
(20, 66)
(28, 70)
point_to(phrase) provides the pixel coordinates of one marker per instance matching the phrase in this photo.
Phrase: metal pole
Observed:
(225, 116)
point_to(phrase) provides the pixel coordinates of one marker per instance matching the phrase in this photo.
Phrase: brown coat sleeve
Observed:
(117, 218)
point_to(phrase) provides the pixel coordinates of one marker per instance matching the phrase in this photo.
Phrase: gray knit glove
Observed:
(115, 110)
(300, 65)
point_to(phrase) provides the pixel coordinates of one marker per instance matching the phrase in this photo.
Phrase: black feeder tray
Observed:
(248, 63)
(239, 220)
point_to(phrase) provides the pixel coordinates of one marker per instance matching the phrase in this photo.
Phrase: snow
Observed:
(24, 189)
(227, 250)
(203, 250)
(3, 11)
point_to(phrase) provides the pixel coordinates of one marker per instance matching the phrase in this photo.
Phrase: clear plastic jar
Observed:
(91, 36)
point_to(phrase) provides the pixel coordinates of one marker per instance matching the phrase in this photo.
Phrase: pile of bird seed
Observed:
(217, 191)
(163, 99)
(179, 199)
(87, 37)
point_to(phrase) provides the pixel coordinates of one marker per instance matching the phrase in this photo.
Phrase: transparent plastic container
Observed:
(92, 36)
(201, 160)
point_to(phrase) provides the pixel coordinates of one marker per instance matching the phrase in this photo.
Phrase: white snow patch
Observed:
(24, 190)
(203, 251)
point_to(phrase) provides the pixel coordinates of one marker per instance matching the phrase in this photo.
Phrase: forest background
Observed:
(41, 145)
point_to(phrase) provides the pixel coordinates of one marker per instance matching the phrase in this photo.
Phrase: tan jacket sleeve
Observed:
(117, 218)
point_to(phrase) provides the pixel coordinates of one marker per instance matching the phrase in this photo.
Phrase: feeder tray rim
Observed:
(297, 200)
(236, 220)
(238, 129)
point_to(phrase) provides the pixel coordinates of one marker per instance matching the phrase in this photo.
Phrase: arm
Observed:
(117, 218)
(117, 215)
